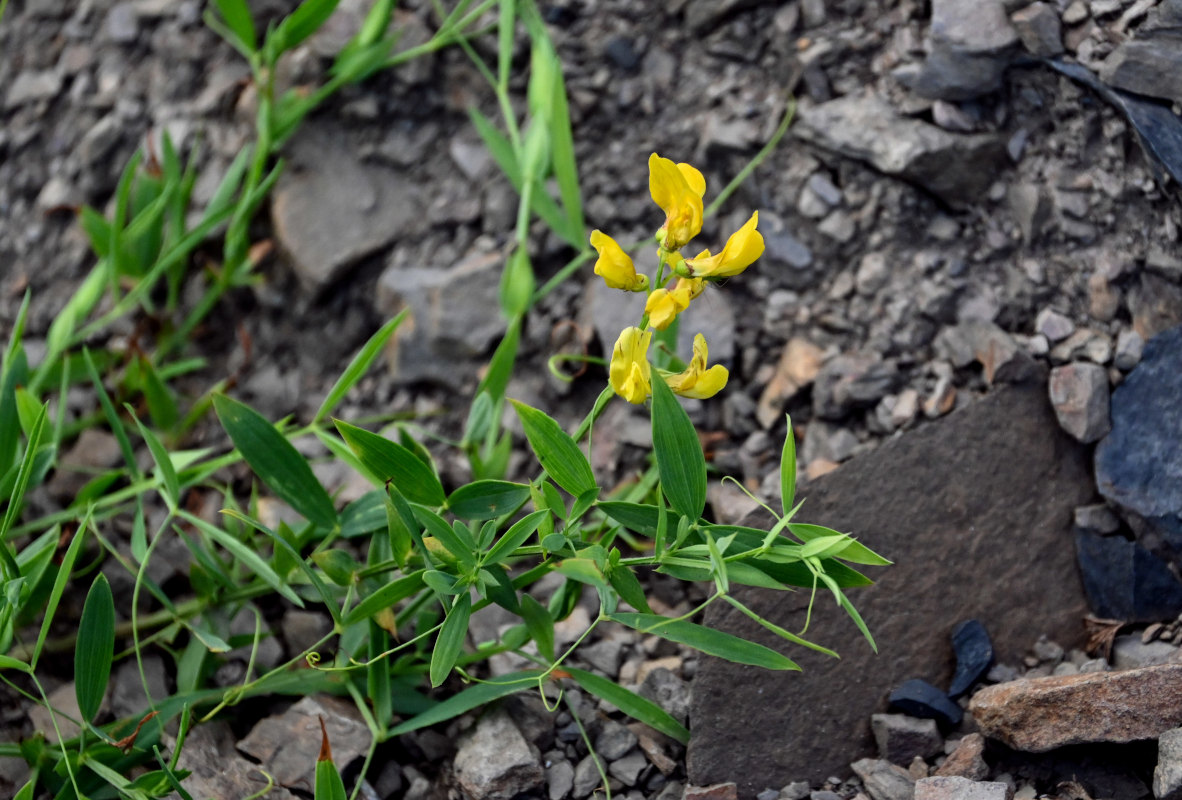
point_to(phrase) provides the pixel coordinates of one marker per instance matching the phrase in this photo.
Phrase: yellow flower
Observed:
(744, 246)
(629, 371)
(664, 305)
(678, 190)
(696, 381)
(615, 266)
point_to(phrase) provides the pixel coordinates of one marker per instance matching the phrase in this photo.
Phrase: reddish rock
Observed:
(966, 761)
(1040, 714)
(717, 791)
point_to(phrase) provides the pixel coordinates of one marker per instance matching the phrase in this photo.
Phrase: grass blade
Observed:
(358, 366)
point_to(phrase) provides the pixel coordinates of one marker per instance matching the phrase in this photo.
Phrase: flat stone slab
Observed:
(1040, 714)
(976, 512)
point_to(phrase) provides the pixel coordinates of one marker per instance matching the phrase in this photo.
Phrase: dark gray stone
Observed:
(969, 45)
(918, 698)
(957, 168)
(1149, 65)
(1167, 775)
(964, 507)
(902, 738)
(974, 654)
(847, 382)
(1139, 464)
(1125, 581)
(330, 210)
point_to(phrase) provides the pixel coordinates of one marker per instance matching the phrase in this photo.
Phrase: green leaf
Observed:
(385, 597)
(245, 555)
(517, 284)
(328, 783)
(237, 17)
(277, 463)
(540, 625)
(110, 413)
(788, 470)
(358, 366)
(500, 367)
(8, 662)
(640, 518)
(855, 552)
(556, 450)
(392, 462)
(707, 640)
(168, 477)
(463, 548)
(679, 454)
(364, 515)
(450, 642)
(630, 703)
(16, 497)
(487, 499)
(470, 698)
(626, 584)
(515, 537)
(339, 566)
(304, 21)
(95, 648)
(776, 629)
(59, 587)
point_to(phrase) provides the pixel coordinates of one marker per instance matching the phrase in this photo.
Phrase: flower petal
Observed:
(615, 266)
(742, 249)
(629, 371)
(678, 190)
(696, 380)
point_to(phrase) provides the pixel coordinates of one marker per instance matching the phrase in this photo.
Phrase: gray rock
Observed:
(628, 768)
(1053, 325)
(127, 698)
(123, 24)
(605, 655)
(967, 760)
(873, 273)
(1156, 305)
(955, 788)
(1138, 464)
(1150, 64)
(797, 790)
(1039, 29)
(494, 762)
(1001, 358)
(218, 771)
(1031, 209)
(587, 778)
(1167, 775)
(96, 146)
(969, 46)
(287, 744)
(1097, 518)
(1129, 346)
(1079, 394)
(668, 691)
(784, 248)
(330, 210)
(560, 779)
(703, 15)
(1129, 652)
(934, 500)
(30, 86)
(846, 382)
(614, 740)
(901, 738)
(957, 168)
(883, 780)
(447, 330)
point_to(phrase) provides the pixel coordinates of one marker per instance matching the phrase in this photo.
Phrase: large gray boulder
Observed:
(976, 511)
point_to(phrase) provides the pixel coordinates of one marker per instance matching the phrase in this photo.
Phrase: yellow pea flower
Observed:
(678, 190)
(741, 250)
(629, 371)
(664, 305)
(696, 380)
(615, 266)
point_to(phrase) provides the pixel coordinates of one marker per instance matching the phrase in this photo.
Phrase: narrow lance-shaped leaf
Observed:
(679, 454)
(631, 704)
(450, 642)
(390, 461)
(707, 640)
(358, 366)
(95, 648)
(277, 463)
(788, 470)
(487, 499)
(556, 450)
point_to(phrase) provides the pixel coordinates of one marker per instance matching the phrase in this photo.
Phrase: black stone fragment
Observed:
(918, 698)
(622, 52)
(974, 654)
(1125, 581)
